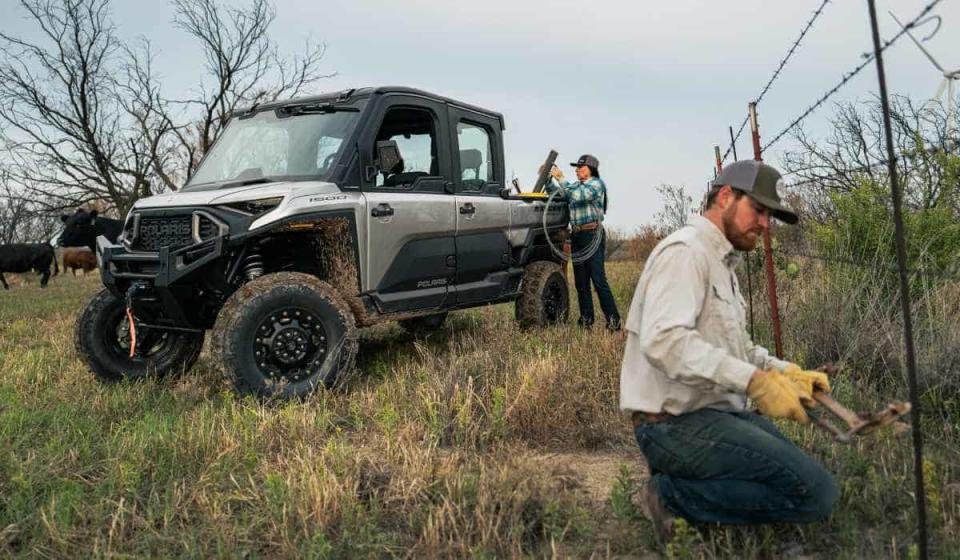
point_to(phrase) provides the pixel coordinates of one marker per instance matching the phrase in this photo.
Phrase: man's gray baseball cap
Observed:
(761, 183)
(588, 160)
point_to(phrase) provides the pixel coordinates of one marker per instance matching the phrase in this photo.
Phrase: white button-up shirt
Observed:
(687, 341)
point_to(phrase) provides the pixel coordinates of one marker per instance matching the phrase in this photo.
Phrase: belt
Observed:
(589, 226)
(639, 418)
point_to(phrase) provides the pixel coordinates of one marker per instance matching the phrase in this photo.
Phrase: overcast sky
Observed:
(647, 87)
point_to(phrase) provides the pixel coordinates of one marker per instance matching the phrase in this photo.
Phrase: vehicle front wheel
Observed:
(283, 335)
(102, 339)
(544, 299)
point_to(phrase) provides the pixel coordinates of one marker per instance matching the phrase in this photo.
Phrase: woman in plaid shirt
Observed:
(587, 200)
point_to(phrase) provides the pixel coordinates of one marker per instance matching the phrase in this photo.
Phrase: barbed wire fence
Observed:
(869, 58)
(881, 268)
(773, 78)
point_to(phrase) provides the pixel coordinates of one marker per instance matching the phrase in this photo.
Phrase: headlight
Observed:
(254, 207)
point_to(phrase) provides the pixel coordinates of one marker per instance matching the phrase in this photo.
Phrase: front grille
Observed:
(208, 228)
(154, 233)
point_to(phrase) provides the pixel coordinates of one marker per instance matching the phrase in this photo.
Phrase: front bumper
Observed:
(162, 268)
(172, 286)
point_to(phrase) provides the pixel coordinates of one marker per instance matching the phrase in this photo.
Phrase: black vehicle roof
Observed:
(348, 95)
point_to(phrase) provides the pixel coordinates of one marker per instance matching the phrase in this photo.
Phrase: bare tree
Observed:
(84, 119)
(614, 242)
(150, 121)
(13, 213)
(853, 152)
(21, 220)
(67, 134)
(244, 66)
(676, 210)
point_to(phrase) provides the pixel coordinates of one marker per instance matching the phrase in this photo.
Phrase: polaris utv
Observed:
(311, 218)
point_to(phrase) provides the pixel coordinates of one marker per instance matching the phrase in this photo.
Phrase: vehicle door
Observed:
(411, 212)
(483, 217)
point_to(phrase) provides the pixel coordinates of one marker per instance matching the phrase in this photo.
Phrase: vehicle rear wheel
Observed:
(284, 334)
(102, 339)
(544, 299)
(422, 325)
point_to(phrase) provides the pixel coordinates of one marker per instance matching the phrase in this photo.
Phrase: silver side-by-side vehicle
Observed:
(311, 218)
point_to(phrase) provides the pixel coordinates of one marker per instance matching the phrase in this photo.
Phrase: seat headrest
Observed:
(471, 159)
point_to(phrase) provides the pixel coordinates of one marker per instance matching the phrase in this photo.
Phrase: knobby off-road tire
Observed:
(419, 326)
(101, 337)
(283, 335)
(544, 299)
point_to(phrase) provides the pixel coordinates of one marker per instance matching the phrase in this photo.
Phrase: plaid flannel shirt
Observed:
(585, 200)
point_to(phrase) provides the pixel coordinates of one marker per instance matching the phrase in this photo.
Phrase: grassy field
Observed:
(478, 441)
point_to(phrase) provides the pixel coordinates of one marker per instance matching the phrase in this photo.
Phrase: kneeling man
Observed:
(689, 367)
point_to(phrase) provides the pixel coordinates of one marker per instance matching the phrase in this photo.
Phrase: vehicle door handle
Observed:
(468, 208)
(382, 210)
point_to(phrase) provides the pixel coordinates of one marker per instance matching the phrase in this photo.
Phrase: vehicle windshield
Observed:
(276, 146)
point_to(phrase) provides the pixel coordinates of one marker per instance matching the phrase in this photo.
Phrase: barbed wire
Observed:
(776, 73)
(793, 49)
(868, 58)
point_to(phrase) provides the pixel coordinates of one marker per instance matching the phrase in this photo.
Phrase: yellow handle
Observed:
(533, 195)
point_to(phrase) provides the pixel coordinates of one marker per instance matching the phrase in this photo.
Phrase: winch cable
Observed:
(580, 256)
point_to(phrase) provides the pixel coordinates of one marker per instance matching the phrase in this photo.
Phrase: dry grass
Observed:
(478, 441)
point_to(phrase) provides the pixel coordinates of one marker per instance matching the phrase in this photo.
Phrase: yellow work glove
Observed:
(805, 381)
(776, 396)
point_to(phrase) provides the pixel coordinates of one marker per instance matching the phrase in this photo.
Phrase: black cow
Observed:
(83, 228)
(24, 257)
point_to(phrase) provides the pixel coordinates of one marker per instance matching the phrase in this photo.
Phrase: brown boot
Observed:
(648, 500)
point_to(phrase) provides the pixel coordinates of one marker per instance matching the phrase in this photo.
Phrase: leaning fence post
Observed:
(900, 238)
(767, 251)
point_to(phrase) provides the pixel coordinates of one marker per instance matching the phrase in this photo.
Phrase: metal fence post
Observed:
(767, 251)
(901, 244)
(733, 149)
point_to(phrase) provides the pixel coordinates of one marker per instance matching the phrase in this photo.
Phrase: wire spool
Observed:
(580, 256)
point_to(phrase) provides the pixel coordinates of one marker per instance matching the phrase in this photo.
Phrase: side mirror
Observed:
(388, 157)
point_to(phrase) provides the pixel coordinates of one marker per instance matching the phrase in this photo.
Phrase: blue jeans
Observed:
(592, 270)
(710, 466)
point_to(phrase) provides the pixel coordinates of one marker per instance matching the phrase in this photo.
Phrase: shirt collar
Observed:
(716, 240)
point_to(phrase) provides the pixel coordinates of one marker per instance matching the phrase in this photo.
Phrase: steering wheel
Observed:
(327, 161)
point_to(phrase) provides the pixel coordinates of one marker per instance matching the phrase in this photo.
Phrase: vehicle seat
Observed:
(471, 160)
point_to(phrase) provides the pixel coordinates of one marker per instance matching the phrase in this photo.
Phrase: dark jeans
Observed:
(734, 467)
(592, 270)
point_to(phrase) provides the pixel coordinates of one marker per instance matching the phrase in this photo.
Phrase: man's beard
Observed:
(741, 240)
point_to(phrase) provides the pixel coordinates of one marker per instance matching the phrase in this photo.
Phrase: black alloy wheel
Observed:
(554, 299)
(284, 335)
(544, 297)
(102, 340)
(290, 344)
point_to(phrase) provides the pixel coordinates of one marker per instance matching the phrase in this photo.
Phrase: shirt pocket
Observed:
(724, 309)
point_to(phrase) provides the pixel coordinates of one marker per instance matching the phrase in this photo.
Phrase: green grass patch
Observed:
(440, 447)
